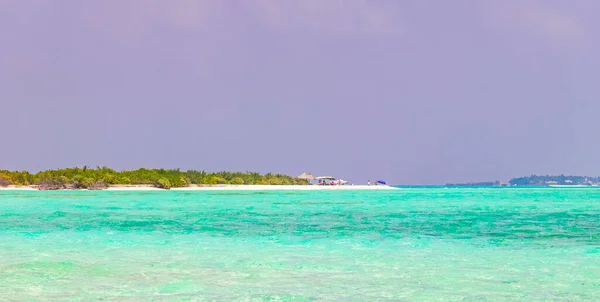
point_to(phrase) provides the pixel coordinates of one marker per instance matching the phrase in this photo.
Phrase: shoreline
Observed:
(219, 188)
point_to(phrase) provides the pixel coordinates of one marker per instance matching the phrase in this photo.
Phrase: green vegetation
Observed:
(102, 177)
(541, 180)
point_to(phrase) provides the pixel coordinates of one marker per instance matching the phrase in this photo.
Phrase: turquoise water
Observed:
(422, 244)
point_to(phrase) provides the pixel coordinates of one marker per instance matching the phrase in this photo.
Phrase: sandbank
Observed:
(227, 187)
(251, 188)
(284, 187)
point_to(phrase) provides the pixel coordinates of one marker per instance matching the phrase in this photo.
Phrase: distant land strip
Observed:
(537, 181)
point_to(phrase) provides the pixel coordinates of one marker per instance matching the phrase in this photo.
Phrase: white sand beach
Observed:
(251, 188)
(18, 188)
(285, 187)
(228, 187)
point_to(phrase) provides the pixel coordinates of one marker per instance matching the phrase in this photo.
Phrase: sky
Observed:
(412, 92)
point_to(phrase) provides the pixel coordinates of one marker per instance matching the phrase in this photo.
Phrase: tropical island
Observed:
(103, 177)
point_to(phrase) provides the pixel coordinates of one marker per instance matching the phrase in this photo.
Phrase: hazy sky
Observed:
(413, 92)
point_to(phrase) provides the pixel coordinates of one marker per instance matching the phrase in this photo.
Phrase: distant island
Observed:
(537, 181)
(475, 184)
(550, 180)
(103, 177)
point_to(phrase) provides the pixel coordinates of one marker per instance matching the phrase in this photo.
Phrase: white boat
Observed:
(330, 180)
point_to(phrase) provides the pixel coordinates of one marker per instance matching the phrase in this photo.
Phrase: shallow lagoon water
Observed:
(418, 244)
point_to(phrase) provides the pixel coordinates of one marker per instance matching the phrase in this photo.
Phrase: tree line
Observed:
(103, 177)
